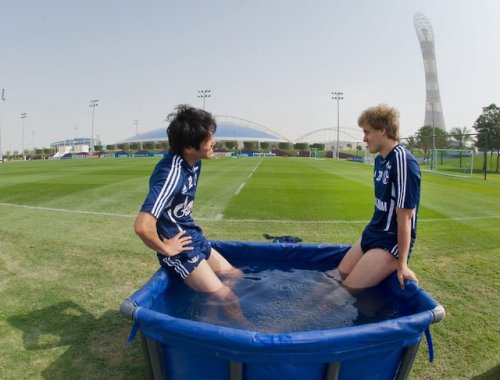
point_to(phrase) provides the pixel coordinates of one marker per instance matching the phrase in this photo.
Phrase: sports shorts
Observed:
(387, 242)
(184, 263)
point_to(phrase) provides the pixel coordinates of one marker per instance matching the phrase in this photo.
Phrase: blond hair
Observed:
(382, 117)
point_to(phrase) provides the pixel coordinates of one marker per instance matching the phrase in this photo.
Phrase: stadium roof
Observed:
(229, 128)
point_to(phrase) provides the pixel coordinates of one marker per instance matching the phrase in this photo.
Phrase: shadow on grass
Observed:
(95, 346)
(492, 374)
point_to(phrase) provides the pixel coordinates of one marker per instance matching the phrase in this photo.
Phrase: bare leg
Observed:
(371, 269)
(327, 289)
(326, 299)
(221, 266)
(359, 271)
(203, 279)
(230, 305)
(223, 269)
(350, 259)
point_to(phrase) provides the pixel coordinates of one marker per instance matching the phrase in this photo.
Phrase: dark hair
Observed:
(188, 128)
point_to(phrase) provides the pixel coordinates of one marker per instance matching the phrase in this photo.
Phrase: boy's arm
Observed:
(145, 228)
(404, 216)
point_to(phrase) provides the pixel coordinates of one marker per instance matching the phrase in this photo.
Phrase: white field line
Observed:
(219, 217)
(250, 175)
(239, 188)
(258, 164)
(67, 211)
(254, 169)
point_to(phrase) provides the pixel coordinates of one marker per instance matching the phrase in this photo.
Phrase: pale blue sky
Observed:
(272, 62)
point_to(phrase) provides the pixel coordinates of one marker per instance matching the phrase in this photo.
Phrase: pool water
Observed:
(280, 299)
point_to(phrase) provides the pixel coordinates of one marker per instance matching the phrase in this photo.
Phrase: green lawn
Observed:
(68, 254)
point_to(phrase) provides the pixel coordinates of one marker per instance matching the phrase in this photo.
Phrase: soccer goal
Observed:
(369, 157)
(315, 154)
(454, 162)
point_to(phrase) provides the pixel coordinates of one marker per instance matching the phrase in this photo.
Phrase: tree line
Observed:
(484, 137)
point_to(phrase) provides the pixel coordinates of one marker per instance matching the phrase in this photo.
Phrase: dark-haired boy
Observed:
(164, 222)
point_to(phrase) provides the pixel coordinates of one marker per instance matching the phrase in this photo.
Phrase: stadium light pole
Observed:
(433, 162)
(136, 123)
(1, 123)
(23, 116)
(338, 96)
(204, 94)
(33, 141)
(93, 103)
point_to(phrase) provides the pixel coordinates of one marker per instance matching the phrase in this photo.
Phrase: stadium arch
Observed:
(266, 134)
(229, 128)
(328, 136)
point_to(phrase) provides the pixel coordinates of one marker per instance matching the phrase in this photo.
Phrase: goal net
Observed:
(455, 162)
(369, 157)
(315, 153)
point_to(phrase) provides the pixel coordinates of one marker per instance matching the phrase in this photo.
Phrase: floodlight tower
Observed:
(1, 123)
(24, 115)
(204, 94)
(338, 96)
(136, 123)
(433, 108)
(93, 104)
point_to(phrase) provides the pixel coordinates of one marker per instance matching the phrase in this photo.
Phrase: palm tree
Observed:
(461, 137)
(411, 143)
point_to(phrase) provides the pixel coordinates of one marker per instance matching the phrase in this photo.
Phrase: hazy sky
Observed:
(269, 61)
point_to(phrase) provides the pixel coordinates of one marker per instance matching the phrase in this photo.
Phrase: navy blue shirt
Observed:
(172, 188)
(396, 184)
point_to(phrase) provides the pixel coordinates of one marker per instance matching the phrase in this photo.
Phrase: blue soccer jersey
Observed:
(172, 188)
(397, 185)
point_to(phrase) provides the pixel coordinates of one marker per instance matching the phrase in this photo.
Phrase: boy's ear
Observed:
(189, 150)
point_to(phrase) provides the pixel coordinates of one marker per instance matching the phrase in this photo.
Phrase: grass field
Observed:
(68, 254)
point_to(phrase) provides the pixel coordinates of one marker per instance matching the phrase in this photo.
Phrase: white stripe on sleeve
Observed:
(168, 187)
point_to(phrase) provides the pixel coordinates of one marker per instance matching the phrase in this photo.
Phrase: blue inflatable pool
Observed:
(383, 350)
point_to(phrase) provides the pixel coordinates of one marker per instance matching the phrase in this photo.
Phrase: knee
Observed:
(351, 289)
(224, 295)
(231, 272)
(343, 275)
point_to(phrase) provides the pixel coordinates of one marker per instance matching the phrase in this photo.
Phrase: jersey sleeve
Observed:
(163, 185)
(406, 181)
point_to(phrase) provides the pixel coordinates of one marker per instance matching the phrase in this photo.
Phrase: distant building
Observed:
(76, 145)
(229, 128)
